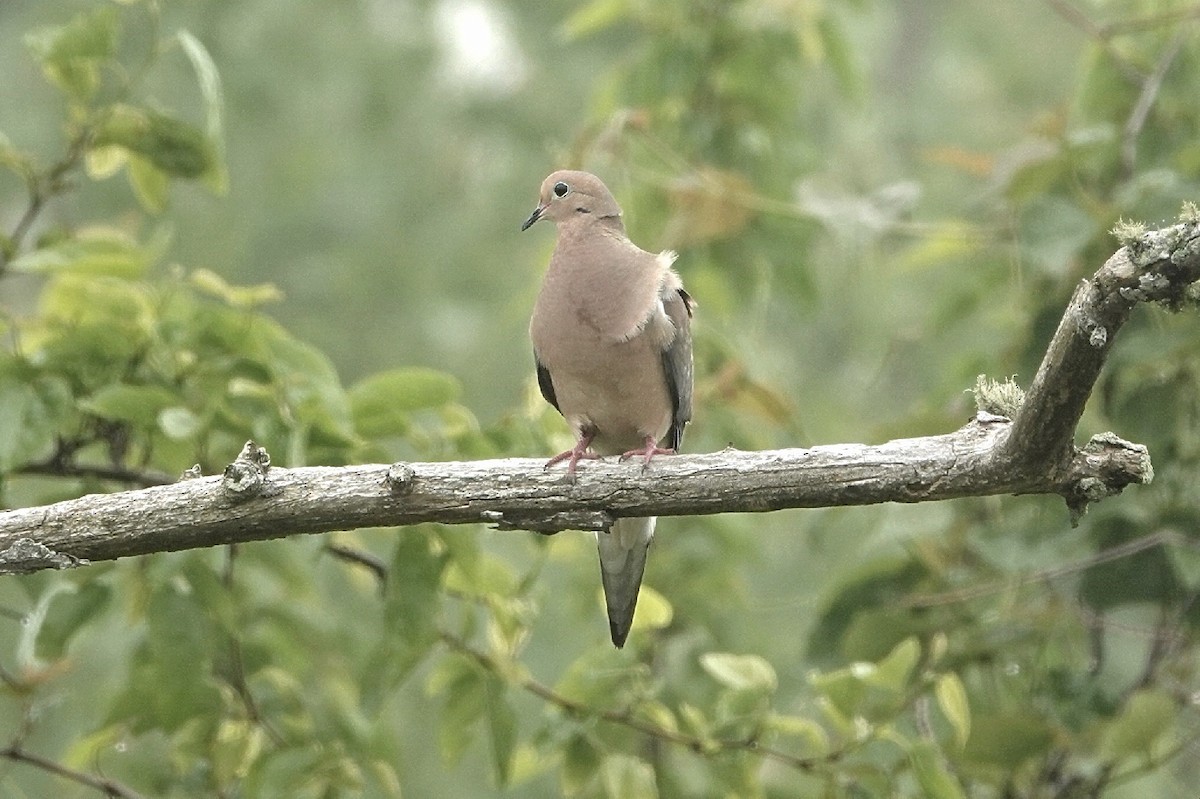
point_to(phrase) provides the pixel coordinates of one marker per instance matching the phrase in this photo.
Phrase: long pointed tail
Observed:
(622, 562)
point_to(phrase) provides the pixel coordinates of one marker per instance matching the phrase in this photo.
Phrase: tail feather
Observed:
(622, 563)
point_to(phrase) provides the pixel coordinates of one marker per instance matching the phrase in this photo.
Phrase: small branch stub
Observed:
(400, 478)
(27, 555)
(246, 477)
(1107, 463)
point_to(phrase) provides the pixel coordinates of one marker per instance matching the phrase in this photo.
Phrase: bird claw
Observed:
(647, 452)
(573, 456)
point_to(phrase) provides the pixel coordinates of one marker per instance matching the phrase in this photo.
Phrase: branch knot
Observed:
(27, 555)
(246, 477)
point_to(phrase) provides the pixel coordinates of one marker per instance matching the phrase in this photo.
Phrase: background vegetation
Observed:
(299, 224)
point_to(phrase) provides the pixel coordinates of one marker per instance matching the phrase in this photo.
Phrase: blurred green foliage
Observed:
(232, 220)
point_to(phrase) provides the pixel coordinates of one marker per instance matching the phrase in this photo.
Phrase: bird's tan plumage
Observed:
(612, 342)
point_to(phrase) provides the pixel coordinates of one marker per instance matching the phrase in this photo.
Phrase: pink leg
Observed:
(574, 455)
(648, 451)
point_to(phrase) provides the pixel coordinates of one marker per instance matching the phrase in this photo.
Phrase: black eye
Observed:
(560, 189)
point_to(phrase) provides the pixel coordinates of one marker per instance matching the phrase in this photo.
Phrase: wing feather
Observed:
(546, 384)
(677, 362)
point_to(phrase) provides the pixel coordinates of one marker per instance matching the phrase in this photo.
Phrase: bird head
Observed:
(568, 195)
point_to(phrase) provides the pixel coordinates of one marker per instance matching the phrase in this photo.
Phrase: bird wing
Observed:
(677, 361)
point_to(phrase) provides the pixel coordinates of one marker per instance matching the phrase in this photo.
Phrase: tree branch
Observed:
(108, 787)
(1101, 35)
(518, 493)
(1032, 453)
(1153, 266)
(117, 474)
(42, 188)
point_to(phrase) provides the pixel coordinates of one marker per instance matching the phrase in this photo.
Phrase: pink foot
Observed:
(574, 455)
(648, 451)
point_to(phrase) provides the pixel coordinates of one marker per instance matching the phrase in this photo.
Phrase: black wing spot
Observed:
(546, 385)
(675, 432)
(688, 302)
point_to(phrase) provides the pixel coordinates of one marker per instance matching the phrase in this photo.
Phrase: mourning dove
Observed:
(613, 349)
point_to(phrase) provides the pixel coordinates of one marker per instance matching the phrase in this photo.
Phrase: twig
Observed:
(1100, 34)
(1042, 575)
(116, 474)
(43, 188)
(108, 787)
(238, 663)
(362, 558)
(626, 718)
(1148, 21)
(1141, 109)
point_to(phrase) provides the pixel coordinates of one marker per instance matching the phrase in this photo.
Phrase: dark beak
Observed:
(535, 216)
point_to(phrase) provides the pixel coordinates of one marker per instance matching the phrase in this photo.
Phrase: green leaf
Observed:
(840, 55)
(139, 405)
(179, 423)
(502, 729)
(31, 624)
(446, 673)
(13, 159)
(842, 687)
(1145, 718)
(654, 611)
(861, 621)
(180, 647)
(32, 410)
(600, 679)
(740, 672)
(1053, 231)
(172, 145)
(150, 184)
(593, 17)
(895, 670)
(1007, 739)
(812, 734)
(1186, 562)
(238, 743)
(412, 601)
(70, 54)
(626, 777)
(580, 765)
(311, 390)
(214, 285)
(208, 586)
(104, 162)
(382, 404)
(656, 713)
(465, 704)
(952, 699)
(93, 251)
(209, 80)
(86, 749)
(70, 613)
(929, 768)
(694, 720)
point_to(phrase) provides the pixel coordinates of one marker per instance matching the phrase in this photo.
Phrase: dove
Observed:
(611, 332)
